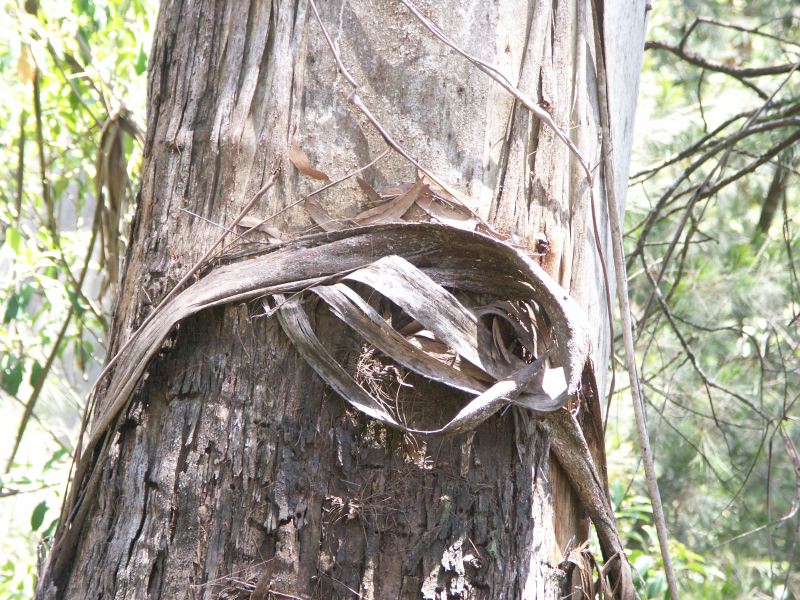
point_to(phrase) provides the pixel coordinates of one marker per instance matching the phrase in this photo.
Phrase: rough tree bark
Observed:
(237, 471)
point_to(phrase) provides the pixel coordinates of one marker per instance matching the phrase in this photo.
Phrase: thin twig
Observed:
(20, 177)
(627, 334)
(47, 199)
(707, 381)
(737, 72)
(541, 114)
(705, 190)
(356, 101)
(781, 110)
(328, 185)
(725, 144)
(55, 348)
(495, 73)
(750, 30)
(41, 424)
(69, 81)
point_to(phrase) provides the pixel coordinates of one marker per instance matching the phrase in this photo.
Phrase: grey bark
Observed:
(237, 473)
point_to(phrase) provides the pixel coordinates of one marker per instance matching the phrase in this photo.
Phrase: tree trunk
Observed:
(236, 471)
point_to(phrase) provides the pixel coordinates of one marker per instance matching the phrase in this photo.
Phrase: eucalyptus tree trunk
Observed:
(237, 472)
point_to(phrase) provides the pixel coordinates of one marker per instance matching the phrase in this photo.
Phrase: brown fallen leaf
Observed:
(393, 209)
(395, 190)
(26, 65)
(259, 225)
(369, 191)
(300, 160)
(322, 217)
(449, 214)
(451, 196)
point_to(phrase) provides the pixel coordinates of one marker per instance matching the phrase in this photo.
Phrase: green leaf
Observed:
(57, 455)
(82, 7)
(36, 373)
(37, 517)
(14, 238)
(12, 375)
(140, 66)
(76, 305)
(50, 528)
(12, 307)
(25, 296)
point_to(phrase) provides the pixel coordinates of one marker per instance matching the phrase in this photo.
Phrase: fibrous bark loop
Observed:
(408, 263)
(449, 322)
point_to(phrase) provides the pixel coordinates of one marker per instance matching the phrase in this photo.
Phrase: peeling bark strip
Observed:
(354, 254)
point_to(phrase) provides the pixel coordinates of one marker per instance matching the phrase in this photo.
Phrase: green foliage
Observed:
(718, 315)
(70, 72)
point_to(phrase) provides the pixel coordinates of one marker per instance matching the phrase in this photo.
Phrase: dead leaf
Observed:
(453, 196)
(393, 209)
(396, 256)
(452, 214)
(394, 190)
(26, 66)
(369, 191)
(300, 160)
(111, 182)
(499, 342)
(358, 314)
(257, 224)
(322, 217)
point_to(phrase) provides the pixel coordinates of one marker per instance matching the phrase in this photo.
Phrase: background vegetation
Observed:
(712, 242)
(74, 89)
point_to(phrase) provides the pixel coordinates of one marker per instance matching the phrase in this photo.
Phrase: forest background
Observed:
(711, 238)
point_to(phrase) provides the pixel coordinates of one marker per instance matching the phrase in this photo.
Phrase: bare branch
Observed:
(737, 72)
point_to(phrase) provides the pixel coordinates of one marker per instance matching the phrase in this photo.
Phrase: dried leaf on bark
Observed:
(257, 224)
(372, 196)
(111, 181)
(322, 217)
(300, 160)
(394, 209)
(351, 308)
(410, 264)
(447, 214)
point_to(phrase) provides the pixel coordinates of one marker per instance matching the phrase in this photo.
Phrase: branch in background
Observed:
(706, 190)
(47, 198)
(71, 83)
(742, 29)
(37, 389)
(794, 278)
(626, 316)
(783, 110)
(20, 169)
(739, 73)
(44, 427)
(774, 195)
(707, 381)
(725, 144)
